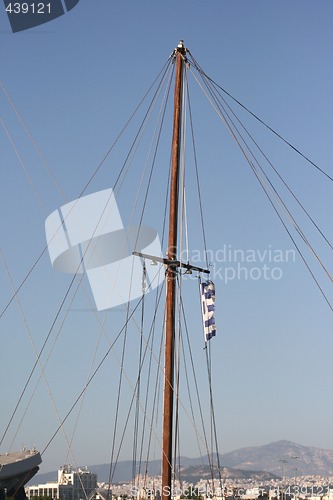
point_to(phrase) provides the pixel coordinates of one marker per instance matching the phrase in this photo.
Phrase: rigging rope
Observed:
(162, 114)
(32, 140)
(138, 397)
(45, 380)
(16, 292)
(259, 119)
(276, 194)
(28, 176)
(280, 177)
(140, 361)
(218, 108)
(197, 173)
(164, 69)
(112, 344)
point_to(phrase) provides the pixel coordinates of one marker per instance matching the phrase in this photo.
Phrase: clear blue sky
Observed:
(75, 81)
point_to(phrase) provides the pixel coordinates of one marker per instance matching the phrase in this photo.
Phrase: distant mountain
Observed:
(190, 473)
(242, 463)
(268, 457)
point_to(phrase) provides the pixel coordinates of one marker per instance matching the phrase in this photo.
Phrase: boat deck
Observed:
(16, 456)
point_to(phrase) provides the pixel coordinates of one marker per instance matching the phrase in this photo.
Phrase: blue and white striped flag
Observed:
(208, 308)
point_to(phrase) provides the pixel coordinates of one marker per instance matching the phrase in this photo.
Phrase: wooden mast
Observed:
(171, 281)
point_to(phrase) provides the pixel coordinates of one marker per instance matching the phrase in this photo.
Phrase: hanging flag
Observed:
(208, 308)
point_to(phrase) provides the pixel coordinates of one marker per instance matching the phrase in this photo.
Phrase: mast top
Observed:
(181, 47)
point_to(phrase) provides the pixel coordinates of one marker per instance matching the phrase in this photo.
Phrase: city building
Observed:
(72, 485)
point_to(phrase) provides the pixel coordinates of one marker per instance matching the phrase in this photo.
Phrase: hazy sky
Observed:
(74, 82)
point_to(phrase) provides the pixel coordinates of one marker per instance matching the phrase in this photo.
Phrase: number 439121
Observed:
(29, 8)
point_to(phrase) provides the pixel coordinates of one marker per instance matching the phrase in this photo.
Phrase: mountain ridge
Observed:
(304, 460)
(279, 458)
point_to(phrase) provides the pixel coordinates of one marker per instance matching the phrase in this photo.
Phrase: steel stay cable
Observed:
(52, 327)
(128, 303)
(68, 442)
(120, 380)
(213, 421)
(41, 375)
(118, 395)
(259, 119)
(132, 401)
(120, 362)
(95, 371)
(138, 387)
(151, 171)
(154, 320)
(43, 368)
(197, 172)
(182, 219)
(154, 399)
(156, 300)
(261, 181)
(177, 329)
(91, 178)
(165, 68)
(210, 451)
(204, 438)
(145, 406)
(277, 173)
(285, 208)
(89, 379)
(147, 348)
(156, 393)
(182, 232)
(159, 363)
(102, 331)
(188, 384)
(162, 113)
(53, 323)
(132, 149)
(292, 239)
(86, 186)
(141, 217)
(39, 355)
(49, 171)
(61, 306)
(294, 242)
(151, 349)
(28, 176)
(129, 158)
(125, 336)
(294, 222)
(58, 333)
(211, 408)
(117, 405)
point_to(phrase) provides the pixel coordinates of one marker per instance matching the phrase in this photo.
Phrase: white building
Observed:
(71, 485)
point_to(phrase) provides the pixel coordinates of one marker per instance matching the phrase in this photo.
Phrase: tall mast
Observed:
(171, 281)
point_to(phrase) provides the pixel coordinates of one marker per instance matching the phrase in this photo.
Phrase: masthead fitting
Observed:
(180, 48)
